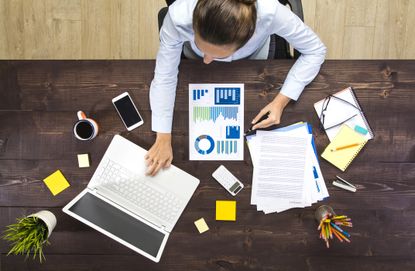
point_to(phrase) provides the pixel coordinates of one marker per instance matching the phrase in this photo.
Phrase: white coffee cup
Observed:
(85, 128)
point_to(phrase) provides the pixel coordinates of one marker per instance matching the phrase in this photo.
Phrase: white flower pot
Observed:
(48, 217)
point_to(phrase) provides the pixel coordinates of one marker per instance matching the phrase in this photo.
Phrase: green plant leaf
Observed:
(28, 235)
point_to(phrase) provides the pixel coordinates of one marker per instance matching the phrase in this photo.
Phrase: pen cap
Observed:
(324, 211)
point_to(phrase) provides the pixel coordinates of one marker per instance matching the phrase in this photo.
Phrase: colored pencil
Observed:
(322, 221)
(327, 231)
(345, 147)
(331, 235)
(330, 226)
(338, 237)
(347, 224)
(342, 236)
(340, 230)
(339, 217)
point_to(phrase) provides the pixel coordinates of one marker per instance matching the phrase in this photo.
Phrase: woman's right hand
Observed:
(160, 154)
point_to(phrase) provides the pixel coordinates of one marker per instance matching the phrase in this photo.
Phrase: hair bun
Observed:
(247, 2)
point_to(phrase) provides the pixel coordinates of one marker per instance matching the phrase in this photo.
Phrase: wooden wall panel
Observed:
(11, 29)
(127, 29)
(330, 25)
(358, 42)
(409, 49)
(391, 28)
(309, 9)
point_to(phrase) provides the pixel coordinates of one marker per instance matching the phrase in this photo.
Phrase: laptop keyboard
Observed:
(161, 203)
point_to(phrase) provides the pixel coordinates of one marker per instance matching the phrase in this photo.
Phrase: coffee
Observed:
(84, 129)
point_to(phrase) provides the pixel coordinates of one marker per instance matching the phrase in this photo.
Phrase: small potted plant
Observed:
(30, 234)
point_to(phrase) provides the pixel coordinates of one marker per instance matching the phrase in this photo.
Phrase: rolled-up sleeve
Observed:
(163, 87)
(288, 26)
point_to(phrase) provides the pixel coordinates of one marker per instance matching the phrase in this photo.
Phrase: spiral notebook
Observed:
(338, 112)
(342, 158)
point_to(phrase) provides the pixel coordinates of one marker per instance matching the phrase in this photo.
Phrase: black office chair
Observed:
(162, 14)
(279, 48)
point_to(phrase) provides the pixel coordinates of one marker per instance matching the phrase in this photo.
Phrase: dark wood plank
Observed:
(184, 262)
(38, 104)
(389, 184)
(288, 233)
(60, 85)
(29, 135)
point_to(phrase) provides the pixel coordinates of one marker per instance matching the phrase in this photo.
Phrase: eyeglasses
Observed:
(324, 109)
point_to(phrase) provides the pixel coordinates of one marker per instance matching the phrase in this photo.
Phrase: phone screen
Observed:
(127, 111)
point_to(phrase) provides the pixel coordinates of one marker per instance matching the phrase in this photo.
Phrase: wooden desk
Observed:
(38, 104)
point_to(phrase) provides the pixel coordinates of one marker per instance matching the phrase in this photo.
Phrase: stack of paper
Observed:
(286, 169)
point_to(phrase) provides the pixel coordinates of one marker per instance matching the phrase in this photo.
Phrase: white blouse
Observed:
(272, 18)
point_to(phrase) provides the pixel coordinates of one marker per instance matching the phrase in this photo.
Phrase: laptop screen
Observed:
(118, 223)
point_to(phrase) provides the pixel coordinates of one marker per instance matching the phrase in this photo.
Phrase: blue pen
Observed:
(310, 131)
(315, 178)
(339, 229)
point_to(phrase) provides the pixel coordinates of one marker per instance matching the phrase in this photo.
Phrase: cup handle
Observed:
(81, 115)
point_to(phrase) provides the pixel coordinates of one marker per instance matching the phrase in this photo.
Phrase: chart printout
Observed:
(216, 121)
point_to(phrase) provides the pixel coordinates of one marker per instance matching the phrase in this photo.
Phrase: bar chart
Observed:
(199, 93)
(226, 146)
(205, 113)
(233, 132)
(227, 95)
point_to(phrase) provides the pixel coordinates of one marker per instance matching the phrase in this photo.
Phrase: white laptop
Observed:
(123, 203)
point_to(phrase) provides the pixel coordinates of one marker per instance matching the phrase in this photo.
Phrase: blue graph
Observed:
(198, 93)
(226, 146)
(227, 96)
(233, 132)
(206, 113)
(211, 142)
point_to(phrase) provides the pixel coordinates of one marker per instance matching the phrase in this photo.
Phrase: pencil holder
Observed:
(330, 225)
(324, 211)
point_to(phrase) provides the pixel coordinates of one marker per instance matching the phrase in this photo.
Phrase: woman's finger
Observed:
(149, 157)
(148, 162)
(151, 169)
(263, 124)
(260, 114)
(157, 168)
(168, 163)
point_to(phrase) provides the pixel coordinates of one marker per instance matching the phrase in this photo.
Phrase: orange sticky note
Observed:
(226, 210)
(56, 182)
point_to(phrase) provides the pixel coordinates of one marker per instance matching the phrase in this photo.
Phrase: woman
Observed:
(226, 30)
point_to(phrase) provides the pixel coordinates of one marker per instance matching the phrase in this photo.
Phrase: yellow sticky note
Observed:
(201, 225)
(83, 160)
(226, 210)
(56, 182)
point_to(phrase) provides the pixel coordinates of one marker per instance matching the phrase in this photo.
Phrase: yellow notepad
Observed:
(342, 158)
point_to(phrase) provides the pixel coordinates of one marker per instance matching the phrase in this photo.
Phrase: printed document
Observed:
(216, 121)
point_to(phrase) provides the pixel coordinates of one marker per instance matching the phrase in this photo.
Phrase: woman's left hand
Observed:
(274, 109)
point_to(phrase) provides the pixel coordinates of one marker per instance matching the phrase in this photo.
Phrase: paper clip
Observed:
(342, 183)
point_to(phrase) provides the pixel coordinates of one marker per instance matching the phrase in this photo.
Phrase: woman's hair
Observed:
(225, 22)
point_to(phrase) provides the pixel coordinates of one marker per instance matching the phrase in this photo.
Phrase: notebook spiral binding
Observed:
(354, 156)
(361, 112)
